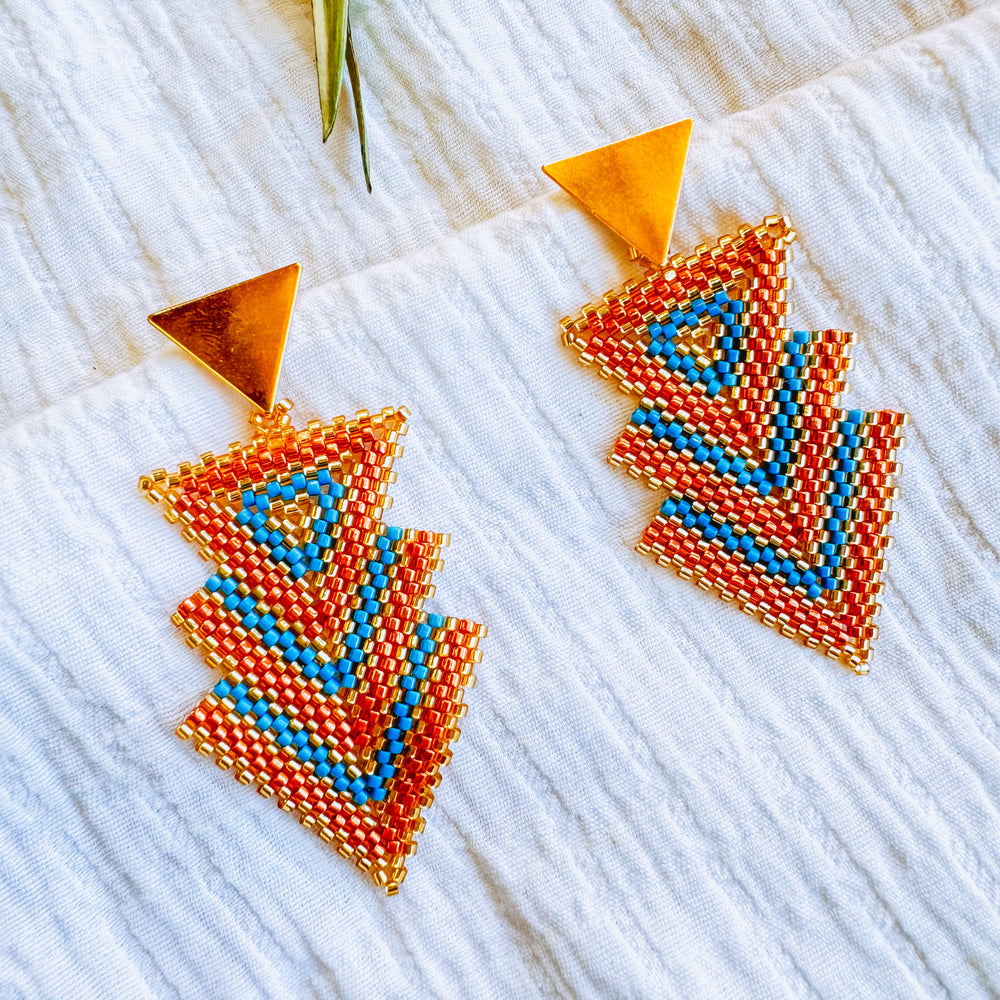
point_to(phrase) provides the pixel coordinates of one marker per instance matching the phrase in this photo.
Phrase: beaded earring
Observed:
(775, 496)
(339, 695)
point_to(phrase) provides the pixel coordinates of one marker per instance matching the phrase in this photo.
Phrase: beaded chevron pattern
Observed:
(339, 695)
(777, 497)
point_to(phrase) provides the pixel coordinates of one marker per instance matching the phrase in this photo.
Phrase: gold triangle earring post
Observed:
(632, 186)
(239, 333)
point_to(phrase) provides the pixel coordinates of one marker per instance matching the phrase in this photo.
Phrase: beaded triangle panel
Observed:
(776, 497)
(339, 695)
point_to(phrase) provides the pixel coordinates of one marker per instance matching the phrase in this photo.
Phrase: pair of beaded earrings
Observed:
(339, 694)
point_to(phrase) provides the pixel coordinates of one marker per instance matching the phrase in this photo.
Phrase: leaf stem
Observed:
(352, 69)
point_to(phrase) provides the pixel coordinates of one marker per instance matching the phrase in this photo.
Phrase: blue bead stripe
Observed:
(842, 492)
(789, 397)
(313, 555)
(744, 543)
(731, 343)
(669, 431)
(673, 356)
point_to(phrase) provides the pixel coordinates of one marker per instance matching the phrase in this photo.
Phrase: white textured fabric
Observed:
(653, 796)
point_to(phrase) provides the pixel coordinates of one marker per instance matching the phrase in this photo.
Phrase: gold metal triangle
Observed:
(632, 186)
(239, 332)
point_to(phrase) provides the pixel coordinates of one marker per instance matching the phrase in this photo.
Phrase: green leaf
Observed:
(352, 69)
(330, 24)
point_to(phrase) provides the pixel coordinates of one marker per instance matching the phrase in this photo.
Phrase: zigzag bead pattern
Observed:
(777, 497)
(339, 694)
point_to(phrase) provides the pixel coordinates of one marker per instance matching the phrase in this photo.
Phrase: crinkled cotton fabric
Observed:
(653, 795)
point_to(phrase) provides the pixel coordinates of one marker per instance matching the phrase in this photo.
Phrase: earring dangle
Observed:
(776, 496)
(338, 694)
